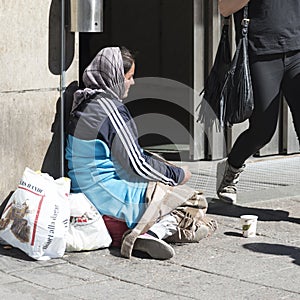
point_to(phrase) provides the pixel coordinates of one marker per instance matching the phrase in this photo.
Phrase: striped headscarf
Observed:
(104, 73)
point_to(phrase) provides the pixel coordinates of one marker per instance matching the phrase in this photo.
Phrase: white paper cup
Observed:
(249, 224)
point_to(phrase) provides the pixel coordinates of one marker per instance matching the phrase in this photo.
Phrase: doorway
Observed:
(161, 34)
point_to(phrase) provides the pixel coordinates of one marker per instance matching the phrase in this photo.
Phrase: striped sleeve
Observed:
(125, 148)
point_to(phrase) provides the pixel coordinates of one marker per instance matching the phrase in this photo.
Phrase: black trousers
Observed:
(271, 76)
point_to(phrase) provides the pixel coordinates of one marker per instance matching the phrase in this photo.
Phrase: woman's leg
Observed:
(266, 74)
(291, 87)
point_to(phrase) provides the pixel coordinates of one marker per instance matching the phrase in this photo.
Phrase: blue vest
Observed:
(95, 173)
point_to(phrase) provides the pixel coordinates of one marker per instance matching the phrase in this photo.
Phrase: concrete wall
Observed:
(29, 84)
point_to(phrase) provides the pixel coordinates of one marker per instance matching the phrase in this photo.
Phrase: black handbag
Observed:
(228, 89)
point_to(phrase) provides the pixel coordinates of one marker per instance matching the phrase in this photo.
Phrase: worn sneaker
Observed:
(227, 179)
(154, 247)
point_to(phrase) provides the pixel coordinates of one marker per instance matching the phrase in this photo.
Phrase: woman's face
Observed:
(129, 80)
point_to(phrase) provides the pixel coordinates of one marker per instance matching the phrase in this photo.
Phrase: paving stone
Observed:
(60, 276)
(27, 291)
(223, 266)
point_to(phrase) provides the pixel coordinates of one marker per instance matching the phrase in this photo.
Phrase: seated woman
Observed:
(108, 165)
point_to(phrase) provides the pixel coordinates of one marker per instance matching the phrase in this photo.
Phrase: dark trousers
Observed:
(271, 76)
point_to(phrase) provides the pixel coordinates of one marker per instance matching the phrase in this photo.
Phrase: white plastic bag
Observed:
(87, 230)
(36, 217)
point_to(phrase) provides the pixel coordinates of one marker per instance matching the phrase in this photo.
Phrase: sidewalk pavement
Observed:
(223, 266)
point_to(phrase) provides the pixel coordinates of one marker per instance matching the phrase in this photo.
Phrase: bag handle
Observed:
(245, 21)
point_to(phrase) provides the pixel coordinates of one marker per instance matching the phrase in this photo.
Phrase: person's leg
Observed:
(165, 227)
(266, 74)
(168, 229)
(291, 87)
(152, 242)
(162, 200)
(187, 223)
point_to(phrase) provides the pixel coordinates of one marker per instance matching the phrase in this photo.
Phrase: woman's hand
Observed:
(187, 175)
(228, 7)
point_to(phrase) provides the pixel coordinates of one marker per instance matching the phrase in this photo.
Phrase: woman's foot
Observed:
(227, 179)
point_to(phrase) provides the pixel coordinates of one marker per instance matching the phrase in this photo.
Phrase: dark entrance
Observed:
(161, 34)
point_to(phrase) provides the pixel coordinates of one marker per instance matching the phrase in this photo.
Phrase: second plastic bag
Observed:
(87, 230)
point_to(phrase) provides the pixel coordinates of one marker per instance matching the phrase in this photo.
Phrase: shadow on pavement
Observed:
(276, 249)
(114, 251)
(264, 214)
(14, 253)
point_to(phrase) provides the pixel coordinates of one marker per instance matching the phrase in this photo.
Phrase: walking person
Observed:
(274, 57)
(135, 191)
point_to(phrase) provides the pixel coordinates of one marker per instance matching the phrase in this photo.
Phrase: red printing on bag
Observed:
(28, 190)
(82, 219)
(36, 220)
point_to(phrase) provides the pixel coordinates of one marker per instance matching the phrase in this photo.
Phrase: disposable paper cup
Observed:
(249, 224)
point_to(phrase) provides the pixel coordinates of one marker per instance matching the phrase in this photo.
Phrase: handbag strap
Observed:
(246, 11)
(245, 21)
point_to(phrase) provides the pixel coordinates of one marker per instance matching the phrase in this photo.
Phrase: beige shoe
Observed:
(227, 179)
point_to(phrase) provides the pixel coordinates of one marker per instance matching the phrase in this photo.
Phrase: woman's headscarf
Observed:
(104, 73)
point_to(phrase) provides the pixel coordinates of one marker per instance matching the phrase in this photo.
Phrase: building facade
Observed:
(175, 41)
